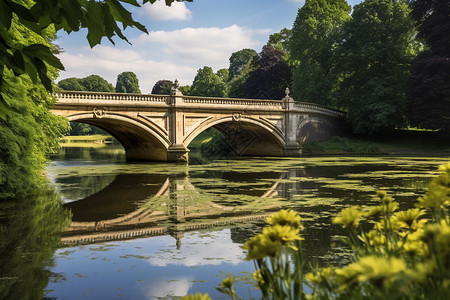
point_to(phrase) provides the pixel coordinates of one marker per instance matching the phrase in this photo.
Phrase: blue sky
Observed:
(182, 38)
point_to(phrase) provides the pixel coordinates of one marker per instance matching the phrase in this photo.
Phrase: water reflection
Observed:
(29, 231)
(153, 230)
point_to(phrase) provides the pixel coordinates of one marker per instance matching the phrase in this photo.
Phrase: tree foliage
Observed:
(429, 95)
(92, 83)
(315, 34)
(270, 76)
(162, 87)
(208, 84)
(224, 74)
(239, 60)
(127, 82)
(374, 60)
(281, 41)
(100, 18)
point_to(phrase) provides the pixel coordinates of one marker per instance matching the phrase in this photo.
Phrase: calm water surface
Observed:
(157, 231)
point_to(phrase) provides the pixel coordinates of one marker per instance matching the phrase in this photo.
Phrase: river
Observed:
(158, 231)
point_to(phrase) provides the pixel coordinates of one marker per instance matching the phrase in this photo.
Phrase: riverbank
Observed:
(401, 142)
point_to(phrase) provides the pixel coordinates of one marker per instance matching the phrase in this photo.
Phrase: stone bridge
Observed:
(160, 127)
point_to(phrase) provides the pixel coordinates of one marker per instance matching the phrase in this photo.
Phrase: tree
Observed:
(208, 84)
(127, 82)
(28, 130)
(100, 18)
(312, 45)
(429, 94)
(71, 84)
(162, 87)
(223, 74)
(238, 61)
(270, 77)
(92, 83)
(280, 41)
(375, 59)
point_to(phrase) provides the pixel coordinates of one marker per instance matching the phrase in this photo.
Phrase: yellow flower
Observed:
(280, 233)
(227, 283)
(409, 218)
(286, 218)
(270, 241)
(258, 277)
(349, 217)
(437, 237)
(373, 238)
(379, 271)
(319, 276)
(197, 296)
(437, 196)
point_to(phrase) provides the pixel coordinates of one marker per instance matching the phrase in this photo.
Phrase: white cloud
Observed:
(108, 62)
(299, 2)
(158, 289)
(211, 46)
(215, 248)
(163, 55)
(160, 12)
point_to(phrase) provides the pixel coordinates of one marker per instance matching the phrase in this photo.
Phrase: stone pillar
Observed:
(292, 147)
(177, 151)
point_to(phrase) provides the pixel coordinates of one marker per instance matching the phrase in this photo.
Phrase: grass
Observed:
(342, 145)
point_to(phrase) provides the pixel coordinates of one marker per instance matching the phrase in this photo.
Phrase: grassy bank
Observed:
(94, 141)
(401, 142)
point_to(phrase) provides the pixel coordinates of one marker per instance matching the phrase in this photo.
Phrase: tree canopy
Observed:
(238, 61)
(375, 57)
(315, 34)
(127, 82)
(270, 75)
(429, 94)
(208, 84)
(162, 87)
(92, 83)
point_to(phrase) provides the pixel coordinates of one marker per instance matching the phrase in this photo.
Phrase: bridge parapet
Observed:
(311, 107)
(71, 96)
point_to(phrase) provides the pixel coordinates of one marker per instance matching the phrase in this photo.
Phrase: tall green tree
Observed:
(429, 94)
(208, 84)
(239, 60)
(281, 41)
(270, 76)
(100, 18)
(375, 60)
(315, 33)
(224, 74)
(127, 82)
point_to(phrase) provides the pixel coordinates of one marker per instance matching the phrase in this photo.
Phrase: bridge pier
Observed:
(177, 153)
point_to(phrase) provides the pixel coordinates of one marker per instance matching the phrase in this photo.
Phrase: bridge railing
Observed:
(317, 107)
(232, 101)
(69, 95)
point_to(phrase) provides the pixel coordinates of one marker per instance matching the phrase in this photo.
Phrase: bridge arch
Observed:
(315, 128)
(251, 136)
(142, 141)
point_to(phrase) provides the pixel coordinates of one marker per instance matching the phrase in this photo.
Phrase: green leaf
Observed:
(42, 73)
(95, 23)
(132, 2)
(5, 15)
(43, 53)
(4, 109)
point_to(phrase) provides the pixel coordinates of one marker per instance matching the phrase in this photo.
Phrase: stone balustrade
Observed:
(110, 96)
(231, 101)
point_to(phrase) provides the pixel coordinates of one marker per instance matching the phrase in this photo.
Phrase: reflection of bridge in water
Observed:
(140, 205)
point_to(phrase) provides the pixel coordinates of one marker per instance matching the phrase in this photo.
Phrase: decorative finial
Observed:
(287, 91)
(175, 84)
